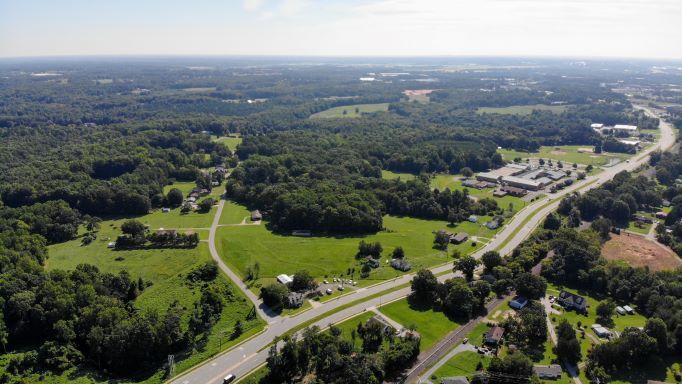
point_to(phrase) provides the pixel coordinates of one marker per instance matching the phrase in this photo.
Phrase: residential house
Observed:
(601, 331)
(459, 238)
(494, 335)
(518, 302)
(628, 309)
(492, 225)
(294, 300)
(572, 301)
(256, 216)
(548, 372)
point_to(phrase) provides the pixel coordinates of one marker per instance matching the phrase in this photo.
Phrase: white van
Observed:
(229, 378)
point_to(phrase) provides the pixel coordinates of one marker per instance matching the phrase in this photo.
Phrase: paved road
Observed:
(245, 357)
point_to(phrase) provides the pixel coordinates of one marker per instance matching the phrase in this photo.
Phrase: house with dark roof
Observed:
(494, 336)
(548, 372)
(514, 191)
(572, 301)
(459, 238)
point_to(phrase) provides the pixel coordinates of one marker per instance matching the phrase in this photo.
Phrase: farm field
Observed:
(329, 256)
(355, 110)
(639, 252)
(230, 142)
(431, 325)
(523, 109)
(568, 154)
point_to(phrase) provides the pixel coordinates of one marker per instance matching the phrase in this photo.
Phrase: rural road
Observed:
(246, 356)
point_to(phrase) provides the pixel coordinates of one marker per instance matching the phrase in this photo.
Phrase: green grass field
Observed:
(462, 364)
(568, 154)
(431, 325)
(230, 142)
(329, 256)
(388, 175)
(523, 109)
(355, 110)
(234, 213)
(166, 269)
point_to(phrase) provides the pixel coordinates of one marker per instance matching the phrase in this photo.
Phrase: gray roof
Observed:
(455, 380)
(547, 370)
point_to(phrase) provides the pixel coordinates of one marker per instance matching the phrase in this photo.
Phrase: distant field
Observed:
(199, 89)
(462, 364)
(350, 110)
(431, 325)
(639, 252)
(568, 154)
(388, 175)
(230, 142)
(523, 109)
(242, 246)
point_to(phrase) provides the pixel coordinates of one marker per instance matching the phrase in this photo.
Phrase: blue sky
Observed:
(608, 28)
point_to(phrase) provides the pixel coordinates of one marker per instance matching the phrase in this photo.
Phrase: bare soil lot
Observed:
(639, 251)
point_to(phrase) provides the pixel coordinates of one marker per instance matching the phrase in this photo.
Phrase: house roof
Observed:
(571, 298)
(455, 380)
(547, 370)
(461, 236)
(285, 279)
(495, 333)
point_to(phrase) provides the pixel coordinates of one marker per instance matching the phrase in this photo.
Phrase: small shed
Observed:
(620, 310)
(473, 219)
(629, 310)
(256, 216)
(518, 302)
(285, 279)
(112, 244)
(165, 210)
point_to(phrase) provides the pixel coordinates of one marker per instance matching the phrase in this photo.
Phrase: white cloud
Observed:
(252, 5)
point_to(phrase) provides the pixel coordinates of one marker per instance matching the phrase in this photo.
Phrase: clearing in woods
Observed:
(355, 110)
(639, 251)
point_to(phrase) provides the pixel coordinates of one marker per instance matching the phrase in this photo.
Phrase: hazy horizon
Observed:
(600, 29)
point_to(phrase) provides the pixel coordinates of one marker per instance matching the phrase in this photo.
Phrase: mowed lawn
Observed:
(355, 110)
(243, 246)
(431, 325)
(568, 154)
(230, 142)
(522, 109)
(234, 213)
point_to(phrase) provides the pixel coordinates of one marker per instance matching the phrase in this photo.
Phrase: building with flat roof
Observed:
(285, 279)
(597, 126)
(524, 183)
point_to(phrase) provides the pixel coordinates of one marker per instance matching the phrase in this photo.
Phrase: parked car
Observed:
(326, 282)
(340, 287)
(328, 291)
(466, 340)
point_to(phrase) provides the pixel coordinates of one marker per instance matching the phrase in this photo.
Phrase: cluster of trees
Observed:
(329, 187)
(616, 200)
(528, 330)
(137, 235)
(455, 297)
(62, 319)
(274, 295)
(328, 357)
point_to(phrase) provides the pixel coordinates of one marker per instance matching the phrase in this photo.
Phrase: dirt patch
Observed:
(585, 150)
(558, 152)
(639, 252)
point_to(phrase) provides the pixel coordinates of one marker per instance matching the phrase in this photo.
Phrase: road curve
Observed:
(245, 357)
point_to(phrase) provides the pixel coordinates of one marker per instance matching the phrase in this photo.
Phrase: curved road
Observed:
(245, 357)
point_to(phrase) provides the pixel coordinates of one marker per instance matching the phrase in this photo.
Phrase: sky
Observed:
(649, 29)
